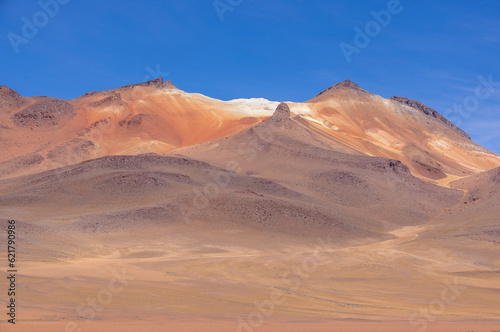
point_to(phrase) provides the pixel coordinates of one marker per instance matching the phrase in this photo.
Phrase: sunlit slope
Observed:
(40, 133)
(396, 128)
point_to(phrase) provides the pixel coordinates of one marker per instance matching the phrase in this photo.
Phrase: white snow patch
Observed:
(301, 109)
(253, 106)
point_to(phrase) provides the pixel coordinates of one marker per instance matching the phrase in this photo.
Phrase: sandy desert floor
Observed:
(223, 281)
(307, 233)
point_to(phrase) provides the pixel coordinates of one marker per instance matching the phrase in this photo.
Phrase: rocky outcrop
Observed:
(10, 99)
(110, 100)
(345, 85)
(45, 112)
(156, 83)
(282, 112)
(430, 112)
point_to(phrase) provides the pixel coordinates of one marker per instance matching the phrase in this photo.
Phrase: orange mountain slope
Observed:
(41, 133)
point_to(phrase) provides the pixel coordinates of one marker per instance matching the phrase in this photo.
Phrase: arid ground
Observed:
(146, 208)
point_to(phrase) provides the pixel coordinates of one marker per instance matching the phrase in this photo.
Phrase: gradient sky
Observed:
(431, 51)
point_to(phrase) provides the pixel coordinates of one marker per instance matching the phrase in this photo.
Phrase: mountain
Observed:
(347, 212)
(41, 133)
(369, 189)
(318, 188)
(401, 129)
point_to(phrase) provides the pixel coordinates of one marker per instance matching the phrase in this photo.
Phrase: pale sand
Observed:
(221, 326)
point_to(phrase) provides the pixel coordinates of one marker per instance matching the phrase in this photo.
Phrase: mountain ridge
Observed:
(157, 117)
(429, 111)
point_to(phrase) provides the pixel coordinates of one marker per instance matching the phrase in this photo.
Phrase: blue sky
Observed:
(431, 51)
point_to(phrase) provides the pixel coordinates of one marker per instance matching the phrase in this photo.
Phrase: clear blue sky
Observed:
(431, 51)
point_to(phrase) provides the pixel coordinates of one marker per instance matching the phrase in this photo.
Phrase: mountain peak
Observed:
(157, 82)
(282, 112)
(348, 84)
(10, 98)
(8, 92)
(342, 86)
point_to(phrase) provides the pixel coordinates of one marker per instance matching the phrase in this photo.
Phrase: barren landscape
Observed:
(147, 208)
